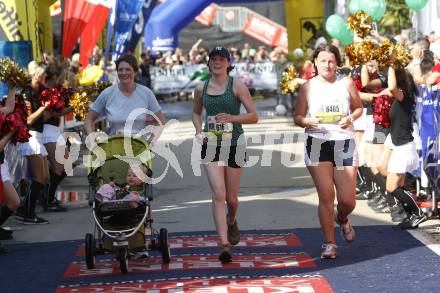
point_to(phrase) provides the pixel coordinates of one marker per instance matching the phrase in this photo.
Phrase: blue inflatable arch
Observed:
(167, 19)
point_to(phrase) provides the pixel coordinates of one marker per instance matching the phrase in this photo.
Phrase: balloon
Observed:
(374, 8)
(335, 25)
(416, 4)
(354, 7)
(346, 37)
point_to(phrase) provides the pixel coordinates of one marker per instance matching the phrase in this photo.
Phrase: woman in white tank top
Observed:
(326, 108)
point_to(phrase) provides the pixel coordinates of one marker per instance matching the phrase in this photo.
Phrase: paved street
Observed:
(276, 196)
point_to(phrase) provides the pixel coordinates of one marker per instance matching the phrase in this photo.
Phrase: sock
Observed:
(369, 178)
(5, 213)
(30, 202)
(408, 203)
(55, 180)
(381, 182)
(360, 177)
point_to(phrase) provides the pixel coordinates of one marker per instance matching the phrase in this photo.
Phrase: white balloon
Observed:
(280, 110)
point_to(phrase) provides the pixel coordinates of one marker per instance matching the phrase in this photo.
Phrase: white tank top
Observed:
(329, 102)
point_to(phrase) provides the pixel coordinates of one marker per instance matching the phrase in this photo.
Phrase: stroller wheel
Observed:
(90, 251)
(122, 255)
(164, 245)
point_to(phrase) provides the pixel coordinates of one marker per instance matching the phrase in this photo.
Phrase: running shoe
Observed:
(225, 255)
(20, 214)
(233, 233)
(329, 251)
(55, 206)
(412, 222)
(35, 221)
(347, 231)
(5, 234)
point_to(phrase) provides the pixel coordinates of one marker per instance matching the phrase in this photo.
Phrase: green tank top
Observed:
(225, 103)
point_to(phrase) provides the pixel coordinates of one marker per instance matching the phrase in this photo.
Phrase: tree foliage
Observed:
(396, 18)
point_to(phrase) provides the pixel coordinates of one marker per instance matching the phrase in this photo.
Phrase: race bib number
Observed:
(221, 130)
(330, 113)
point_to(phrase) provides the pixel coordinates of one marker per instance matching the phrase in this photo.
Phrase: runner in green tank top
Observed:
(221, 96)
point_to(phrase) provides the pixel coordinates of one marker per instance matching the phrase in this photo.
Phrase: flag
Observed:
(92, 30)
(138, 28)
(77, 14)
(127, 12)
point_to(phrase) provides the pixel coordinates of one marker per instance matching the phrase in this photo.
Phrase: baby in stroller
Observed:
(130, 192)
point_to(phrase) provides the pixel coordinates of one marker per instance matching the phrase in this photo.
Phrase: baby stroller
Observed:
(122, 227)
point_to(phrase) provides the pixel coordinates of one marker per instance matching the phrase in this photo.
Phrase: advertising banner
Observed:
(262, 30)
(206, 17)
(138, 28)
(19, 22)
(127, 12)
(180, 77)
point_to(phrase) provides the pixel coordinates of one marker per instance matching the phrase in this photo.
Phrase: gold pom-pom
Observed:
(290, 82)
(384, 53)
(352, 52)
(360, 23)
(402, 55)
(12, 73)
(81, 100)
(366, 51)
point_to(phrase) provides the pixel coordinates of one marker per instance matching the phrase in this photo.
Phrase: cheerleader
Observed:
(400, 144)
(11, 200)
(55, 75)
(34, 150)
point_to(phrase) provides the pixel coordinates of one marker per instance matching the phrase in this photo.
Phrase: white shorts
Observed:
(34, 146)
(369, 129)
(5, 171)
(403, 158)
(50, 133)
(360, 124)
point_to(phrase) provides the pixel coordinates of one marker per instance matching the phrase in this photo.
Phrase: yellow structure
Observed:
(303, 19)
(22, 20)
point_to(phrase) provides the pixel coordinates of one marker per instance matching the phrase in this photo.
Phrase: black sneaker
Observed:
(20, 214)
(35, 221)
(362, 196)
(412, 222)
(55, 206)
(5, 234)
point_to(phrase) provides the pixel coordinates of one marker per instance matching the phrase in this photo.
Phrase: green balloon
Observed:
(354, 6)
(380, 10)
(374, 8)
(335, 25)
(416, 4)
(346, 37)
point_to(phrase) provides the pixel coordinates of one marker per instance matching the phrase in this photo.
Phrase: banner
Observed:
(206, 17)
(179, 77)
(127, 12)
(92, 30)
(77, 13)
(19, 22)
(262, 30)
(138, 28)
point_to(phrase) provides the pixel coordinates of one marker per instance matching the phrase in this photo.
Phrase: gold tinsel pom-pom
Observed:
(289, 82)
(384, 53)
(366, 51)
(403, 56)
(80, 104)
(12, 73)
(360, 23)
(352, 52)
(81, 100)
